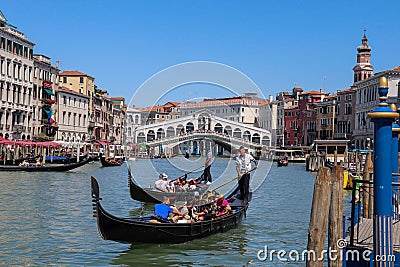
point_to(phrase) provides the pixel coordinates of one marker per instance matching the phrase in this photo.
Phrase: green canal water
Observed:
(46, 218)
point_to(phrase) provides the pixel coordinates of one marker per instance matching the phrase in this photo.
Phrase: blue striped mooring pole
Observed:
(395, 164)
(383, 117)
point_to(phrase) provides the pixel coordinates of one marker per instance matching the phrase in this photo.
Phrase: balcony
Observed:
(47, 101)
(341, 135)
(311, 130)
(324, 125)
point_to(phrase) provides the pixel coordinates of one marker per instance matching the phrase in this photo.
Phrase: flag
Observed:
(51, 114)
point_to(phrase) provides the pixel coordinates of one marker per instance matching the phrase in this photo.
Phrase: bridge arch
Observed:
(228, 130)
(203, 121)
(150, 135)
(256, 138)
(179, 129)
(189, 127)
(266, 141)
(160, 133)
(141, 137)
(170, 131)
(218, 128)
(237, 133)
(246, 135)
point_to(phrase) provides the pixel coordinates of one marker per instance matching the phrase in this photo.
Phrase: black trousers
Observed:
(207, 174)
(244, 184)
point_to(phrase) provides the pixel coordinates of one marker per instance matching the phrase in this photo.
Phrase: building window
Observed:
(64, 100)
(64, 79)
(80, 79)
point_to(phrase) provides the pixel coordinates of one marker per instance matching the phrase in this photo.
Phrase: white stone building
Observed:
(16, 83)
(72, 115)
(269, 118)
(133, 119)
(367, 98)
(243, 109)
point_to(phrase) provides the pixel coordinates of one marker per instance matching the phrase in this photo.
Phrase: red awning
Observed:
(101, 143)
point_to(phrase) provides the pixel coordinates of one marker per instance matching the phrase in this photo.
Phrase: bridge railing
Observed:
(192, 135)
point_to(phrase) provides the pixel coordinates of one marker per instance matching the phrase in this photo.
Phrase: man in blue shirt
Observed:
(162, 211)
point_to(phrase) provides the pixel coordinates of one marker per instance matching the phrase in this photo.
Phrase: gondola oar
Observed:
(187, 173)
(233, 179)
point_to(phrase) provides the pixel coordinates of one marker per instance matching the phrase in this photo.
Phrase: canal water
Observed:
(46, 219)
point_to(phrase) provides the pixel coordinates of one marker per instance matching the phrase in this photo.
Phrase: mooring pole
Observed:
(383, 117)
(395, 163)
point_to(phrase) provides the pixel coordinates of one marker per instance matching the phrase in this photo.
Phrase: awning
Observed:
(48, 91)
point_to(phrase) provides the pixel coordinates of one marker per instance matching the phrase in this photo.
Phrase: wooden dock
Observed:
(363, 234)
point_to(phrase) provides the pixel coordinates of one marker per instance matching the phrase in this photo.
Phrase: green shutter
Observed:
(50, 92)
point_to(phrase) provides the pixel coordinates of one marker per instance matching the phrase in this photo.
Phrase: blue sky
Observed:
(275, 43)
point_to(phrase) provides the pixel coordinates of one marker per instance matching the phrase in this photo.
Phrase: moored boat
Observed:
(131, 230)
(110, 163)
(282, 162)
(45, 168)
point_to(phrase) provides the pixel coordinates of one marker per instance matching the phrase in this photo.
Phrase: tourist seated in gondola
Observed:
(161, 183)
(163, 212)
(192, 185)
(222, 206)
(38, 162)
(24, 163)
(170, 187)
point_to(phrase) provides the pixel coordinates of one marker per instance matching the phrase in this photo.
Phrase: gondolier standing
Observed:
(243, 166)
(207, 173)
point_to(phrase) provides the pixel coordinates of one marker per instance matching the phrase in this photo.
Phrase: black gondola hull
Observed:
(282, 163)
(106, 163)
(131, 230)
(46, 168)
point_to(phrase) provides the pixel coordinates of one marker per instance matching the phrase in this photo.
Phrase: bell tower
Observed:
(363, 69)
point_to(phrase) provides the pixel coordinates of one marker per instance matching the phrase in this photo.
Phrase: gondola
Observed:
(282, 162)
(150, 195)
(132, 230)
(16, 162)
(107, 163)
(45, 168)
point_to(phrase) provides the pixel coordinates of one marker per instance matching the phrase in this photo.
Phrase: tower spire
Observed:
(363, 69)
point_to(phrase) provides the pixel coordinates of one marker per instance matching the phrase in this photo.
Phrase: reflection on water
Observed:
(46, 219)
(204, 251)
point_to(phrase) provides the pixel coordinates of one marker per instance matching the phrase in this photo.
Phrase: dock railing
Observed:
(362, 199)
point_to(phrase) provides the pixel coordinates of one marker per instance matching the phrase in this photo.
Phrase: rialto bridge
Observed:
(198, 132)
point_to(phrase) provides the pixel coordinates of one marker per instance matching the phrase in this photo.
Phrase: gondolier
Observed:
(207, 173)
(243, 167)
